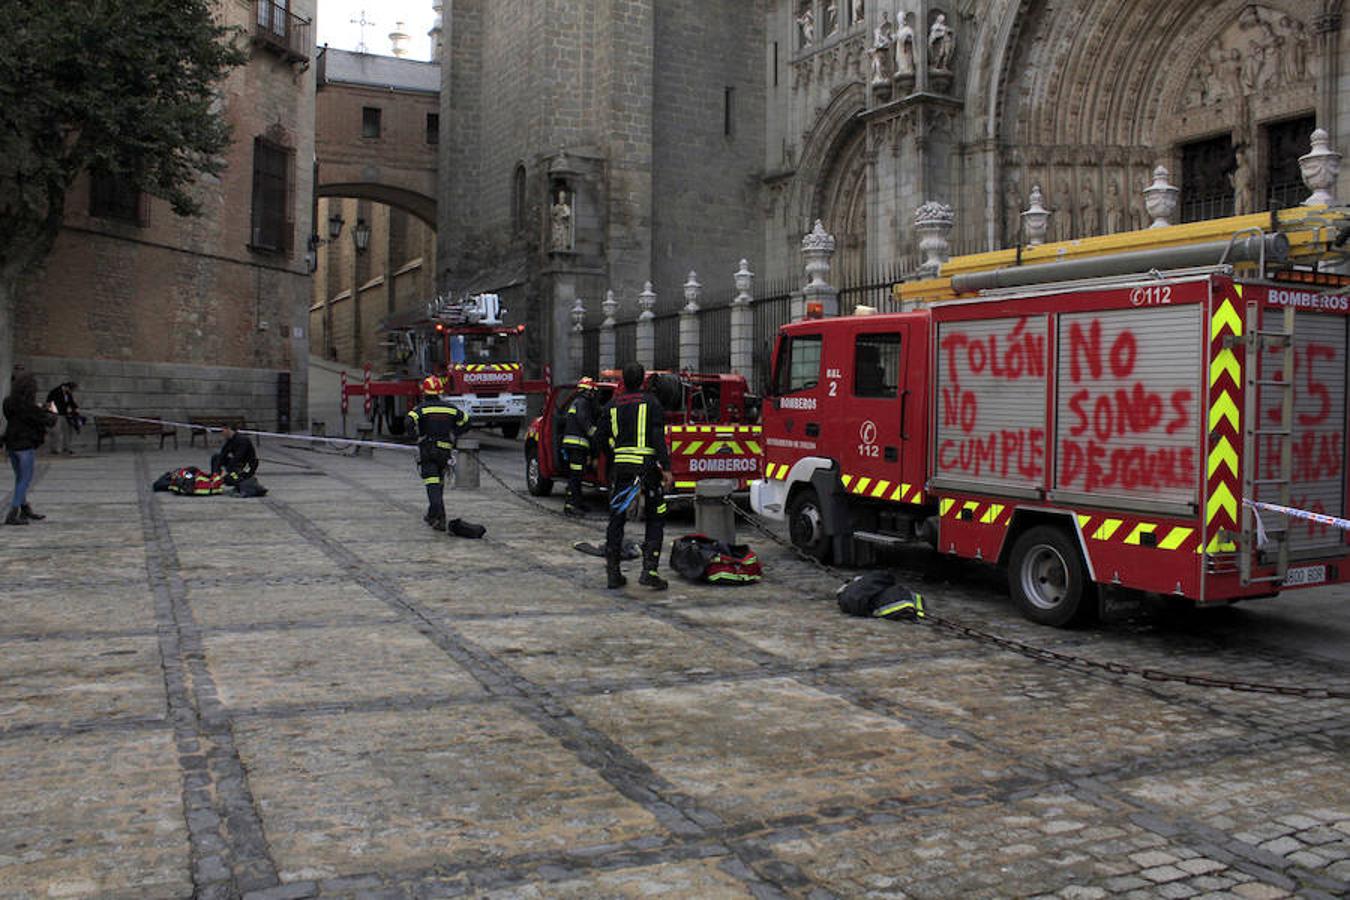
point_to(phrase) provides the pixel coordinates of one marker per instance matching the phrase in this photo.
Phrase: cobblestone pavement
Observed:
(315, 695)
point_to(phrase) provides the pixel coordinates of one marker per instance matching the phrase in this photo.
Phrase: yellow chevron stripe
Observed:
(899, 492)
(1106, 529)
(735, 447)
(880, 488)
(1175, 538)
(754, 448)
(1225, 361)
(846, 479)
(1223, 408)
(991, 515)
(1225, 317)
(1083, 520)
(1141, 529)
(861, 486)
(971, 505)
(692, 447)
(1222, 500)
(685, 484)
(1223, 454)
(1216, 547)
(944, 505)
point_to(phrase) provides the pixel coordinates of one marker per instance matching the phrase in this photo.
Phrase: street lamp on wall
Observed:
(361, 235)
(335, 224)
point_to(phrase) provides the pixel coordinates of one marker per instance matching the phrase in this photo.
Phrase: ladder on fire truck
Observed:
(1255, 440)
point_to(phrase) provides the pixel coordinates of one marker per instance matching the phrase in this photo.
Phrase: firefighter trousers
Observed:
(432, 461)
(627, 482)
(576, 459)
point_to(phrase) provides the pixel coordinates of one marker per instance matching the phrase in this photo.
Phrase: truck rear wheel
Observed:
(535, 481)
(806, 524)
(1048, 579)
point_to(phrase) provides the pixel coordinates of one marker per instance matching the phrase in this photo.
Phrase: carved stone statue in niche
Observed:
(858, 12)
(1115, 209)
(560, 232)
(904, 47)
(1063, 211)
(1297, 47)
(806, 26)
(883, 41)
(831, 17)
(1012, 210)
(941, 44)
(1088, 217)
(1241, 179)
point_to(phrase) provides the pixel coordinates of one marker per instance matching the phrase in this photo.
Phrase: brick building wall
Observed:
(175, 316)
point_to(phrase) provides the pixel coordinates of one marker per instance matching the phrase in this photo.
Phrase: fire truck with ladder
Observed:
(469, 346)
(1157, 410)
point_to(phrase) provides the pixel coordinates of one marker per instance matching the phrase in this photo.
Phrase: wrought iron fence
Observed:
(770, 310)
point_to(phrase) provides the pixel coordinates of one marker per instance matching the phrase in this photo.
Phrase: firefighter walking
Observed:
(632, 430)
(578, 438)
(436, 424)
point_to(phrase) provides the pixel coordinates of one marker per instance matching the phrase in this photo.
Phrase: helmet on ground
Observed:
(586, 383)
(432, 384)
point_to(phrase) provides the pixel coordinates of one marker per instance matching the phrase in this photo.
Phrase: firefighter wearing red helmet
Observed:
(578, 441)
(437, 424)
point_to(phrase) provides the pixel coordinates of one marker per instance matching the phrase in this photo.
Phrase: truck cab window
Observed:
(876, 365)
(798, 364)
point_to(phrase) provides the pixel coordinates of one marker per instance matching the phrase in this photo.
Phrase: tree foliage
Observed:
(121, 88)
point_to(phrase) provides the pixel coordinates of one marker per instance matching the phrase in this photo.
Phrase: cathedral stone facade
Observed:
(597, 145)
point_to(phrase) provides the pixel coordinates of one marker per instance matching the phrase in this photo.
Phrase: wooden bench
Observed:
(200, 424)
(112, 428)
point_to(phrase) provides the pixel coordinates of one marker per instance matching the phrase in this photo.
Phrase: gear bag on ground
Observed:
(698, 557)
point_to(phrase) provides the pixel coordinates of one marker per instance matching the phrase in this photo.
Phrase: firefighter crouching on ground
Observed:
(578, 435)
(436, 424)
(236, 459)
(632, 429)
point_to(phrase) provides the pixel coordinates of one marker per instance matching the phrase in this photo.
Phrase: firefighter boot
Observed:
(614, 578)
(15, 517)
(27, 512)
(651, 558)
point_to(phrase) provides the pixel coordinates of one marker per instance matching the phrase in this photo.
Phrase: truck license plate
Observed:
(1303, 575)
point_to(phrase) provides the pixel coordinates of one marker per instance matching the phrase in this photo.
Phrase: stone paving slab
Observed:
(93, 815)
(376, 791)
(314, 695)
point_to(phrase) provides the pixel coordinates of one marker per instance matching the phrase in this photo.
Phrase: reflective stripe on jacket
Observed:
(632, 426)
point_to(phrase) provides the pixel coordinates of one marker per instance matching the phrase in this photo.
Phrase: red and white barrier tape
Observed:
(346, 442)
(1320, 518)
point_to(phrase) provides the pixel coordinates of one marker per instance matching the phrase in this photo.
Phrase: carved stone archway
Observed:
(841, 205)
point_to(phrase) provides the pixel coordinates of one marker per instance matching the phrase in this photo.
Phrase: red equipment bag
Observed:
(190, 481)
(698, 557)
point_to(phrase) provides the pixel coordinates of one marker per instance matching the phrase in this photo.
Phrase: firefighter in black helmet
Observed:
(578, 437)
(436, 424)
(632, 430)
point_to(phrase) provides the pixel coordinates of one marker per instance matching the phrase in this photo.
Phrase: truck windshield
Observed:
(798, 363)
(482, 348)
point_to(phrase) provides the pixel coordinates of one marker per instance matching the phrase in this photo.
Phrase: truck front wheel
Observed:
(1048, 579)
(806, 524)
(535, 481)
(510, 430)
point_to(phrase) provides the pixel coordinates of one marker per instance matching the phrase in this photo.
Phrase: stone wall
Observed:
(161, 390)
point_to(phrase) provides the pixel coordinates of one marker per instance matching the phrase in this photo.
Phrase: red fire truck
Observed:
(1102, 431)
(468, 345)
(710, 431)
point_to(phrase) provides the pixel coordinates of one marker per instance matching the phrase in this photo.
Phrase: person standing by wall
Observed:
(26, 426)
(68, 420)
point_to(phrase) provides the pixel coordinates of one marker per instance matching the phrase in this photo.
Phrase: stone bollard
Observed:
(466, 465)
(365, 433)
(713, 514)
(317, 428)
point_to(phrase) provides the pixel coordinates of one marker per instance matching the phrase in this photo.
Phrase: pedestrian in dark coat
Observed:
(69, 419)
(26, 426)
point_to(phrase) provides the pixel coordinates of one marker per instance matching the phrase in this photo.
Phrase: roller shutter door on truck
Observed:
(991, 396)
(1128, 408)
(1319, 426)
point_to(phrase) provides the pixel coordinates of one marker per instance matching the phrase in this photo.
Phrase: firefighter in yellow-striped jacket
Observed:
(437, 424)
(578, 440)
(632, 430)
